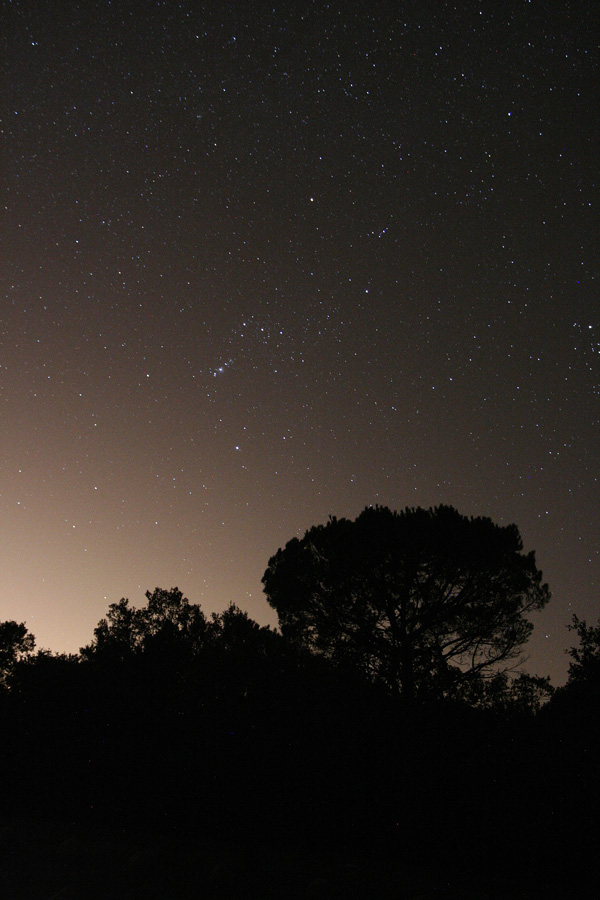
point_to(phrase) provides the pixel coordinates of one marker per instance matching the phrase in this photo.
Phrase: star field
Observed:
(263, 263)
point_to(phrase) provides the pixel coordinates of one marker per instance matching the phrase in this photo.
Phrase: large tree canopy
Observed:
(422, 600)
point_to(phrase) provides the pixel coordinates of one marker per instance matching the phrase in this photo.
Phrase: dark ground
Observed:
(45, 859)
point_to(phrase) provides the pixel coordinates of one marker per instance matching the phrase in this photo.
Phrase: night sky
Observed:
(262, 263)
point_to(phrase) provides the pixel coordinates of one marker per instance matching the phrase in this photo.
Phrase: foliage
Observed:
(522, 695)
(169, 623)
(575, 704)
(16, 643)
(228, 729)
(421, 600)
(45, 675)
(171, 629)
(585, 665)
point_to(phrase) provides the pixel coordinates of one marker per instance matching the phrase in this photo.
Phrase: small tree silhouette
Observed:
(16, 643)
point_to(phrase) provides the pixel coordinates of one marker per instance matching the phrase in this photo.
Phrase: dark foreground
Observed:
(249, 772)
(61, 860)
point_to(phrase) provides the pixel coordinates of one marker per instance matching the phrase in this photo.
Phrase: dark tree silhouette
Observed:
(16, 643)
(575, 703)
(585, 664)
(422, 600)
(170, 633)
(168, 622)
(523, 695)
(568, 732)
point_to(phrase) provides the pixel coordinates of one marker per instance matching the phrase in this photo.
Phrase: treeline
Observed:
(379, 723)
(169, 714)
(222, 725)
